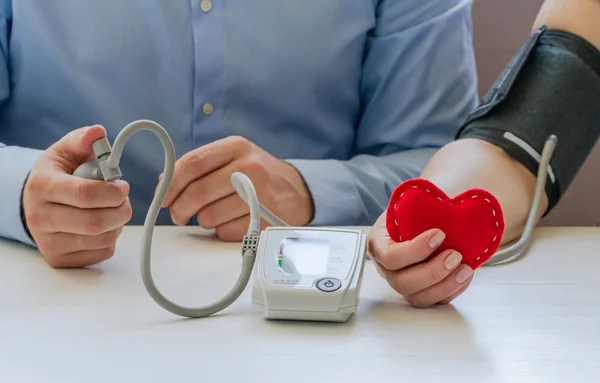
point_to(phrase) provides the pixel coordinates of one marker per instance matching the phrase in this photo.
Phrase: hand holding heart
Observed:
(427, 245)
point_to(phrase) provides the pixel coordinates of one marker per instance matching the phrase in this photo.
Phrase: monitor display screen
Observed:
(304, 256)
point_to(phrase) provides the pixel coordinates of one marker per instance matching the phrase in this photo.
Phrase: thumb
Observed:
(75, 148)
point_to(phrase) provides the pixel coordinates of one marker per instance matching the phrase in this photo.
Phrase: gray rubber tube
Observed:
(242, 182)
(517, 249)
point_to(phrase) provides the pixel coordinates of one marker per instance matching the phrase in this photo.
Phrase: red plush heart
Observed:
(472, 221)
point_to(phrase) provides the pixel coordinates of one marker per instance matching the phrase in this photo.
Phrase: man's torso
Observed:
(284, 74)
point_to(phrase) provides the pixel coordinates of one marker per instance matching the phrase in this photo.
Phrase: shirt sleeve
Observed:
(418, 85)
(15, 162)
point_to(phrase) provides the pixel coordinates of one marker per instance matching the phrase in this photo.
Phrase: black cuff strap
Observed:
(574, 44)
(551, 87)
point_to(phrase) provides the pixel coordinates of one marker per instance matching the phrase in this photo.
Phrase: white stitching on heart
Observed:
(473, 197)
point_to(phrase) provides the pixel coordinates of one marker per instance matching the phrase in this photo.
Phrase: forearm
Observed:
(474, 163)
(355, 192)
(16, 162)
(581, 17)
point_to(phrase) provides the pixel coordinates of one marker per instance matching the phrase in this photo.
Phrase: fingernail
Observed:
(463, 274)
(437, 239)
(453, 260)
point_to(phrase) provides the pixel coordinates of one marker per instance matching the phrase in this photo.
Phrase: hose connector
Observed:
(102, 150)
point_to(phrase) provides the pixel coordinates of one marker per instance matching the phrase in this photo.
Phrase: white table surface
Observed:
(537, 320)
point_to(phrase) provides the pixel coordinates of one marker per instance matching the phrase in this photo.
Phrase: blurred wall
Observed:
(501, 27)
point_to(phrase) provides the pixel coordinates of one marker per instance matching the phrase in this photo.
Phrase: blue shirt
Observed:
(357, 94)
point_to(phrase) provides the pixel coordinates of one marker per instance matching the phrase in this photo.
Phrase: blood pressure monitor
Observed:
(309, 273)
(302, 273)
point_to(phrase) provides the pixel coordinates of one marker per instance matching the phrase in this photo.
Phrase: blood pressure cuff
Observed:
(551, 86)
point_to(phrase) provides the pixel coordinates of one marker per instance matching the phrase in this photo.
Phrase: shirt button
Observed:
(205, 5)
(208, 109)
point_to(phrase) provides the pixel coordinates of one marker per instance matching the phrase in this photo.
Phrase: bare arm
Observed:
(470, 163)
(473, 163)
(581, 17)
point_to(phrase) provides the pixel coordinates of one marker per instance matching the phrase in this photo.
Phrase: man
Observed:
(552, 86)
(326, 105)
